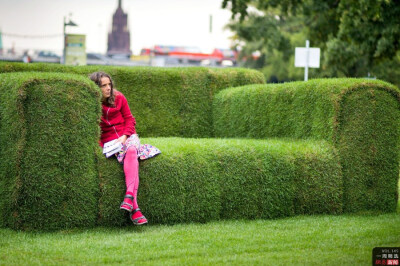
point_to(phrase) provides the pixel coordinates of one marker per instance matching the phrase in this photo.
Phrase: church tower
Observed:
(119, 39)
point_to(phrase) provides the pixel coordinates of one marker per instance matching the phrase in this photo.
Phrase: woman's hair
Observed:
(96, 77)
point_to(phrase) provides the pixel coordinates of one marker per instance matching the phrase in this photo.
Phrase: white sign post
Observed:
(306, 57)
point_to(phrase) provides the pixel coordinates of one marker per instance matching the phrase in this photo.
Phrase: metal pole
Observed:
(63, 57)
(307, 58)
(211, 21)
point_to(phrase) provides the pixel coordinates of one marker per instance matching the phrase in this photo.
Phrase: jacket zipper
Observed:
(110, 123)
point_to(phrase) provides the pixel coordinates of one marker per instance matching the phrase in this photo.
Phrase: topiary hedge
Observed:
(164, 101)
(324, 146)
(48, 135)
(359, 117)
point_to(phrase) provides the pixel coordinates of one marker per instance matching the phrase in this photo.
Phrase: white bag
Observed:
(112, 147)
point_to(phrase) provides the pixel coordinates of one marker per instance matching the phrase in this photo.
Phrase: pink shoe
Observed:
(137, 217)
(125, 205)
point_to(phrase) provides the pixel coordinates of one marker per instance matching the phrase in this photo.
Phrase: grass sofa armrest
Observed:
(359, 117)
(48, 134)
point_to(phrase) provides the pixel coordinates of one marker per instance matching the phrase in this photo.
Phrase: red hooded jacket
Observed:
(116, 121)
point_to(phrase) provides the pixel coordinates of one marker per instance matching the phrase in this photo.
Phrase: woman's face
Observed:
(105, 86)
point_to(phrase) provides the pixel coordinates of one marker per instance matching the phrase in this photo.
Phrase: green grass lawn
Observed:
(334, 240)
(322, 239)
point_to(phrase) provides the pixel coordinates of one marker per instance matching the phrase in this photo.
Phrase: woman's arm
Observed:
(129, 120)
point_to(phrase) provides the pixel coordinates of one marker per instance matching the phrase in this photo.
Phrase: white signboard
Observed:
(300, 58)
(75, 49)
(306, 57)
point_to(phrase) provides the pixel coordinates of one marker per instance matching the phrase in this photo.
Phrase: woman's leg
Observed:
(131, 170)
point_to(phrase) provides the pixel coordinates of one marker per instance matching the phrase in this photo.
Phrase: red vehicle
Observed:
(183, 54)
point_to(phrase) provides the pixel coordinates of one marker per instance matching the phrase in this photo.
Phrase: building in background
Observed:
(119, 38)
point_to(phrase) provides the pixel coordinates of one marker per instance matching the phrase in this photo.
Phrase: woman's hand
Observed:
(122, 139)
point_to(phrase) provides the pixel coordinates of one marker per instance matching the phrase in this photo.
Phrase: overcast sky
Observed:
(151, 22)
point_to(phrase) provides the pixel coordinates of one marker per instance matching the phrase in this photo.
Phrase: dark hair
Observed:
(96, 77)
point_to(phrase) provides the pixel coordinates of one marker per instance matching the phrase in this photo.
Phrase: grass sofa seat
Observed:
(197, 180)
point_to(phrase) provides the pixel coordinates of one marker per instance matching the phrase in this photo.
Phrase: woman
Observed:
(117, 123)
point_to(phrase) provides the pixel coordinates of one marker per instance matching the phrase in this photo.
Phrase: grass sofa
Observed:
(258, 151)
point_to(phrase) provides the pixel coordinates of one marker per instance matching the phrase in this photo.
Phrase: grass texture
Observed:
(48, 136)
(310, 240)
(359, 117)
(165, 101)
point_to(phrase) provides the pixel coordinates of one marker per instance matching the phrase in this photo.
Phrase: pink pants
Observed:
(131, 169)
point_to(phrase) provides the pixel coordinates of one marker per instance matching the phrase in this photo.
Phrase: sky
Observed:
(151, 22)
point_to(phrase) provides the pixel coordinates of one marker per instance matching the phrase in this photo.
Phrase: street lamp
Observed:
(70, 23)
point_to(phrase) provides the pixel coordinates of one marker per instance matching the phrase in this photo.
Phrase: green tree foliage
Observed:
(272, 35)
(356, 37)
(369, 33)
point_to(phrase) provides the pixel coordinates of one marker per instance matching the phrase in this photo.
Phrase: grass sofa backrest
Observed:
(164, 101)
(359, 117)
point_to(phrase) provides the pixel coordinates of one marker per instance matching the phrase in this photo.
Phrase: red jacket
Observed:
(116, 121)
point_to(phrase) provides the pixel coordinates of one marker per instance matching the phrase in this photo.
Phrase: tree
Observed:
(272, 34)
(354, 35)
(369, 31)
